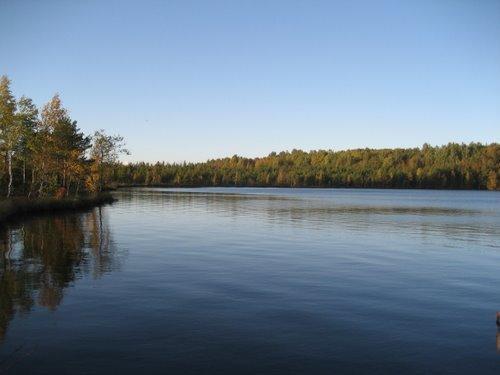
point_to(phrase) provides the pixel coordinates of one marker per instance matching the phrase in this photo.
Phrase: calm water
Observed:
(255, 281)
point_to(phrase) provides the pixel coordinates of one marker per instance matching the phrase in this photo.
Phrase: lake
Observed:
(255, 281)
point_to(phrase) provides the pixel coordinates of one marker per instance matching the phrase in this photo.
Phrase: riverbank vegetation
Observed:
(45, 154)
(10, 208)
(453, 166)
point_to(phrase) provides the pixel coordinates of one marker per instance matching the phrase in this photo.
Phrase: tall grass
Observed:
(22, 206)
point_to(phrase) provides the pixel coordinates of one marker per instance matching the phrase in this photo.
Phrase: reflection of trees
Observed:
(41, 257)
(100, 243)
(448, 222)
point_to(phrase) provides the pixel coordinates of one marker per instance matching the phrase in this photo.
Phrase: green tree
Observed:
(69, 153)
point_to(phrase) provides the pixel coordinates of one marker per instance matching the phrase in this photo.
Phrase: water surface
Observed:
(255, 281)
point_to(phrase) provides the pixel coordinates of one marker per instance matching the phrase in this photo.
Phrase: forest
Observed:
(453, 166)
(45, 154)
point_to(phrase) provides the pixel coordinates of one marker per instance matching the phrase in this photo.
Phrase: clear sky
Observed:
(192, 80)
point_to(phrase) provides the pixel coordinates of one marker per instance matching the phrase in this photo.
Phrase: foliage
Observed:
(453, 166)
(104, 153)
(45, 152)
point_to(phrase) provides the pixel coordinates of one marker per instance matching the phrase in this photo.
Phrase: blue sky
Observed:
(192, 80)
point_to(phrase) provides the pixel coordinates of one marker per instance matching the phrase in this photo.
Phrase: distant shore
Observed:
(14, 207)
(453, 166)
(169, 186)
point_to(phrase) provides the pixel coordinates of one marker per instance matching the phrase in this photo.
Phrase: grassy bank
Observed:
(10, 208)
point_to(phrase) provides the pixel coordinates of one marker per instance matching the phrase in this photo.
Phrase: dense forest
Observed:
(44, 153)
(454, 166)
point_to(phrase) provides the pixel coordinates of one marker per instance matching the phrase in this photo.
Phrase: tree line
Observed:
(452, 166)
(44, 153)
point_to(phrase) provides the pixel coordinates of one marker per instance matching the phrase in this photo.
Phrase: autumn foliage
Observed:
(46, 154)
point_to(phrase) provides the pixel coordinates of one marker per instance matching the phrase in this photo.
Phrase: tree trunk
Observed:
(32, 185)
(68, 187)
(101, 177)
(24, 174)
(40, 190)
(9, 161)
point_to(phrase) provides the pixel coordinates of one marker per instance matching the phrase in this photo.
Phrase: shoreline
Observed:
(125, 186)
(15, 207)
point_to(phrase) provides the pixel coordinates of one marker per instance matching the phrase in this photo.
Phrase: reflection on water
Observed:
(254, 281)
(41, 257)
(446, 222)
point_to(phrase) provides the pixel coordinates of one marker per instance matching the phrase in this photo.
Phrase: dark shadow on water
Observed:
(41, 257)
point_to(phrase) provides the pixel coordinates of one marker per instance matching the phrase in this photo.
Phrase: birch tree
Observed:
(28, 117)
(10, 129)
(105, 152)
